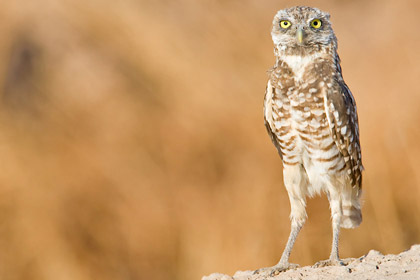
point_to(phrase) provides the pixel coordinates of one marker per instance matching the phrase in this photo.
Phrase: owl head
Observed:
(302, 29)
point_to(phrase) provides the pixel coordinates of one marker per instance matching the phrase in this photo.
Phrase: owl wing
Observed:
(268, 116)
(341, 113)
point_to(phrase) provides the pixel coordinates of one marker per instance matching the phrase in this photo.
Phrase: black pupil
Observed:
(316, 23)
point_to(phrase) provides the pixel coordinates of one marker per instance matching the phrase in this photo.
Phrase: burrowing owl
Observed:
(311, 117)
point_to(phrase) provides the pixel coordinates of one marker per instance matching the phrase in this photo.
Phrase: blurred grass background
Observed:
(132, 142)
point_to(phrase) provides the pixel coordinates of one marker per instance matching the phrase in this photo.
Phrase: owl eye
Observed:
(285, 24)
(316, 23)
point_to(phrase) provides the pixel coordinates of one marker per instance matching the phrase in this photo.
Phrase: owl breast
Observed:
(299, 119)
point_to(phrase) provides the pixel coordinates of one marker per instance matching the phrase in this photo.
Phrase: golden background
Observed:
(132, 143)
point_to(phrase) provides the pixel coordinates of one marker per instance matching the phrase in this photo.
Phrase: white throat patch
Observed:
(298, 63)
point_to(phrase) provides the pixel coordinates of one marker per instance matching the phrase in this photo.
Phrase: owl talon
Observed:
(276, 270)
(329, 262)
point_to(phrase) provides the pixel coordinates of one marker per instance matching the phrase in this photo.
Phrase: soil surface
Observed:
(374, 265)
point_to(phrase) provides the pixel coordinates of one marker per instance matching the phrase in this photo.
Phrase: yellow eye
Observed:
(285, 24)
(316, 23)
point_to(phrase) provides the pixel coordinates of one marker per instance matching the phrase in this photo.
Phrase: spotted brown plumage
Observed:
(311, 117)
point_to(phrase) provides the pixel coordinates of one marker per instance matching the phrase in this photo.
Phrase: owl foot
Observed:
(330, 262)
(275, 270)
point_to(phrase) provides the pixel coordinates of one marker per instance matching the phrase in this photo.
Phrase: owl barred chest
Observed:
(298, 115)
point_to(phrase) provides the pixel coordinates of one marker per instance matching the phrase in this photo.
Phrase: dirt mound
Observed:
(374, 265)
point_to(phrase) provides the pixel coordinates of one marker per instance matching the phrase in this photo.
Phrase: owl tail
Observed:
(352, 213)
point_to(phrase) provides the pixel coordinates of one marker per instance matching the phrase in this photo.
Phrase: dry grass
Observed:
(132, 143)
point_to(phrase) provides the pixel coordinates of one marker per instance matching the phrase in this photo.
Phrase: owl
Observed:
(310, 115)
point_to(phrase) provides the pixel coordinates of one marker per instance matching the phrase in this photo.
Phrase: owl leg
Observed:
(284, 264)
(296, 226)
(336, 214)
(295, 180)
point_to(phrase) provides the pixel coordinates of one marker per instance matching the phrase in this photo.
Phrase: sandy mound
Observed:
(374, 265)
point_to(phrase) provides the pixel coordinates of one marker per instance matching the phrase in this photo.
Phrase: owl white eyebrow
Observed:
(314, 18)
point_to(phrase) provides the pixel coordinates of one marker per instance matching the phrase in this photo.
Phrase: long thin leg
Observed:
(296, 182)
(294, 231)
(336, 232)
(336, 213)
(298, 217)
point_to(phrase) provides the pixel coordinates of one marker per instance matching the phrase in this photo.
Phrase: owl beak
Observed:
(299, 35)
